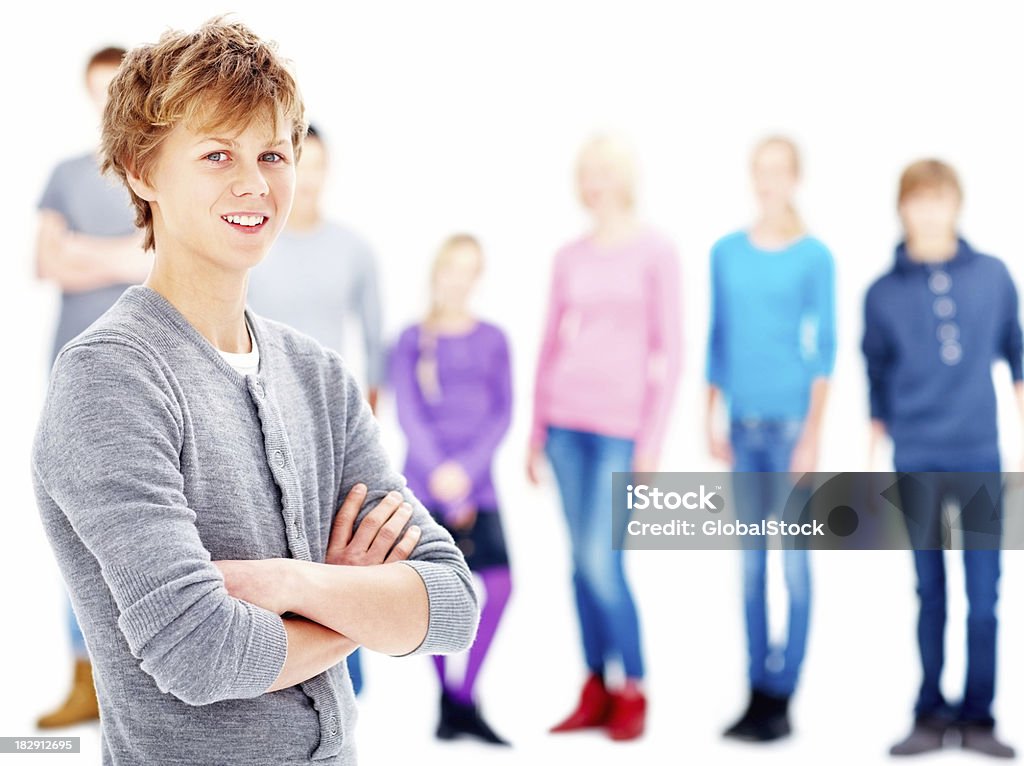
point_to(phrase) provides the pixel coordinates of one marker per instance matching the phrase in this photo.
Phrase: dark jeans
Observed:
(981, 574)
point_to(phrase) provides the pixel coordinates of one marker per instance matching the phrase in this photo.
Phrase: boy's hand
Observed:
(379, 538)
(269, 583)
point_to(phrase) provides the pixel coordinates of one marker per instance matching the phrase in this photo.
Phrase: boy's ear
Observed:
(142, 188)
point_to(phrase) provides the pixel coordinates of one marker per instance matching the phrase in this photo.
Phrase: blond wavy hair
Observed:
(219, 77)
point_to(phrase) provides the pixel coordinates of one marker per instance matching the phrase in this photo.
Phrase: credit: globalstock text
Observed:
(727, 528)
(829, 511)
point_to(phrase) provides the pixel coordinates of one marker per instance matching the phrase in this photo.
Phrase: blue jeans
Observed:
(762, 450)
(75, 631)
(355, 671)
(583, 463)
(981, 576)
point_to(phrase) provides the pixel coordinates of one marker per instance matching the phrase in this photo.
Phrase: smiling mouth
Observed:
(245, 222)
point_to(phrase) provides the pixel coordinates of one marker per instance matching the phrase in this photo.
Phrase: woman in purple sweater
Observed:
(453, 390)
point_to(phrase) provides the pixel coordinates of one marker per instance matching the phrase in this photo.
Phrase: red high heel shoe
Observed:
(628, 714)
(593, 708)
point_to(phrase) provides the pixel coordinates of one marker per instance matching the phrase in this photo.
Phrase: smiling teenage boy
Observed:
(932, 328)
(192, 456)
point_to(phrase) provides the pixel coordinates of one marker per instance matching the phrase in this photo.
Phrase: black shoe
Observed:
(743, 728)
(765, 719)
(461, 719)
(774, 724)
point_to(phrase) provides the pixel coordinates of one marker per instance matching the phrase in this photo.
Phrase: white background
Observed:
(466, 116)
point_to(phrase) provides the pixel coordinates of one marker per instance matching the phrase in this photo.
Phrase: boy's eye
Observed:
(217, 156)
(272, 157)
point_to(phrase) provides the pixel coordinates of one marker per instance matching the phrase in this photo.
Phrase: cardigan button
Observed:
(279, 458)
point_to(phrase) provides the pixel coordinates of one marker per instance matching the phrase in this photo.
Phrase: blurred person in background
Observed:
(933, 325)
(609, 364)
(87, 244)
(771, 352)
(317, 275)
(320, 274)
(453, 389)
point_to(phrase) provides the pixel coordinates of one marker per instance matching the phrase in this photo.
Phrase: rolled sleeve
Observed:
(451, 601)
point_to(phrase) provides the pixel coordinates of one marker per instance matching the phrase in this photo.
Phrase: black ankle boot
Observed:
(774, 724)
(744, 728)
(459, 718)
(765, 719)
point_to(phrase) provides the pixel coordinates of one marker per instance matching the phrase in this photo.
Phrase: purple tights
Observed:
(497, 588)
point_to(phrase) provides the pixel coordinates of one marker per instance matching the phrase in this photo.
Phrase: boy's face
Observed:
(221, 199)
(930, 212)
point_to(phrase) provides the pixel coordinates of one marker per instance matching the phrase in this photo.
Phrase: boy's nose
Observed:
(249, 181)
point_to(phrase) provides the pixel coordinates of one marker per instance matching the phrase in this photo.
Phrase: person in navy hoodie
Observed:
(933, 326)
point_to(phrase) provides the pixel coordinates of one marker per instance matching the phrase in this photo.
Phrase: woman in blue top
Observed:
(771, 352)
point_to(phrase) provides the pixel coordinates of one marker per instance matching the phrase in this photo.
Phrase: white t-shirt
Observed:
(246, 364)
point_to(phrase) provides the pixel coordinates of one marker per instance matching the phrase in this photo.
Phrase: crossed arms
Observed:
(107, 460)
(384, 607)
(78, 262)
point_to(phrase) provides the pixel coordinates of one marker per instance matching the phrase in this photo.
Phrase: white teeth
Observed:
(244, 220)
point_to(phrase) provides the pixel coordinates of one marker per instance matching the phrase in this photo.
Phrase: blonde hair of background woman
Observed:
(795, 224)
(426, 363)
(615, 152)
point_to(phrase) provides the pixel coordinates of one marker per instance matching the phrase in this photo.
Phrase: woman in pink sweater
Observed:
(608, 368)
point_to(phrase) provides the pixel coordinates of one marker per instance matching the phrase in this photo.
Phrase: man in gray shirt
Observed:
(87, 244)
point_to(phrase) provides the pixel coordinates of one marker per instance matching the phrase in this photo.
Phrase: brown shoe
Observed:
(80, 705)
